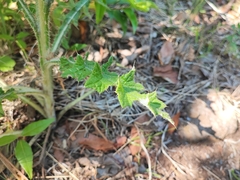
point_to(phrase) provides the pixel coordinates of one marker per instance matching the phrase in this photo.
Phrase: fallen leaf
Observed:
(175, 119)
(167, 73)
(85, 161)
(225, 8)
(166, 53)
(124, 62)
(142, 119)
(58, 154)
(94, 142)
(125, 52)
(120, 141)
(135, 146)
(181, 16)
(83, 28)
(197, 19)
(185, 51)
(138, 52)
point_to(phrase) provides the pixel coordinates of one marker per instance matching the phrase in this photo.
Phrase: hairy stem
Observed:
(47, 78)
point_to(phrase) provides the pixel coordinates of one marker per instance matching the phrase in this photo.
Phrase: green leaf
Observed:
(132, 17)
(101, 78)
(156, 106)
(120, 17)
(142, 5)
(65, 44)
(6, 37)
(9, 95)
(78, 69)
(127, 90)
(7, 139)
(37, 127)
(21, 44)
(100, 10)
(6, 63)
(22, 35)
(77, 47)
(24, 155)
(65, 25)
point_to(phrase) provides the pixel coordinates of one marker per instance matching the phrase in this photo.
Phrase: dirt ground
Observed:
(208, 159)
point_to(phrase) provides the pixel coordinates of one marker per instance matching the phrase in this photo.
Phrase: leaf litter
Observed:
(184, 78)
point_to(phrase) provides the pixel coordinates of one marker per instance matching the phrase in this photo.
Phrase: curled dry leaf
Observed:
(94, 142)
(213, 116)
(166, 53)
(120, 141)
(185, 51)
(175, 119)
(167, 73)
(180, 17)
(138, 52)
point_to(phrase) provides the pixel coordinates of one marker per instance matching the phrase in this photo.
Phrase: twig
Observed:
(45, 144)
(80, 122)
(147, 154)
(94, 123)
(211, 173)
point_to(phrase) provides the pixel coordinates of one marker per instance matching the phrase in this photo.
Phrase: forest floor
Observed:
(189, 59)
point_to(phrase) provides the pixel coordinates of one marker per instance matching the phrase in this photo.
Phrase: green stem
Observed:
(47, 78)
(33, 104)
(73, 103)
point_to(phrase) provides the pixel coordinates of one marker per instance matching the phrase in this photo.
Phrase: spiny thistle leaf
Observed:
(127, 90)
(156, 106)
(78, 69)
(65, 25)
(101, 78)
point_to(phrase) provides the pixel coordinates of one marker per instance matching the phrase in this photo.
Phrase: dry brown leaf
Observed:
(191, 55)
(125, 52)
(166, 53)
(167, 73)
(142, 119)
(84, 161)
(120, 141)
(58, 154)
(185, 51)
(135, 146)
(83, 28)
(175, 119)
(94, 142)
(181, 16)
(197, 19)
(138, 52)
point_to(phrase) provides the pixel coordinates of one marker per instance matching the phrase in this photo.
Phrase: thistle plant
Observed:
(96, 77)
